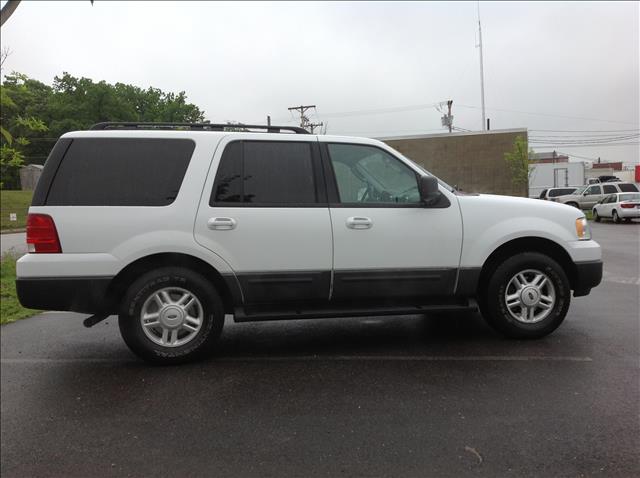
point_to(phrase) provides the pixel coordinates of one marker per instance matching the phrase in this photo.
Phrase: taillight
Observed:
(42, 235)
(627, 205)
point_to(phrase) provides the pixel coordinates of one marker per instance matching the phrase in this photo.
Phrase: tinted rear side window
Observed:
(278, 173)
(228, 187)
(121, 172)
(560, 192)
(628, 188)
(609, 189)
(265, 173)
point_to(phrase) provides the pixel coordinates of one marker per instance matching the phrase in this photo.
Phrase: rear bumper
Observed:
(588, 275)
(629, 212)
(77, 294)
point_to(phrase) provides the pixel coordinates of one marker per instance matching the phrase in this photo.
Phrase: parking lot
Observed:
(393, 396)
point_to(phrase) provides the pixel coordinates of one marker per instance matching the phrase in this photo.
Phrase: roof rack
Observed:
(198, 127)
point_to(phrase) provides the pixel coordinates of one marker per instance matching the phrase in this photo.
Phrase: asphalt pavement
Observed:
(440, 395)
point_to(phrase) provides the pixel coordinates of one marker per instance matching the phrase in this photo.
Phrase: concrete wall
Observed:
(472, 161)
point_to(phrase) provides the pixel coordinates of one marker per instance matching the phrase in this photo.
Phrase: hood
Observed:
(519, 206)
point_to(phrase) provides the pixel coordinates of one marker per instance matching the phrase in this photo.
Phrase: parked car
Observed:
(552, 194)
(588, 196)
(173, 226)
(618, 206)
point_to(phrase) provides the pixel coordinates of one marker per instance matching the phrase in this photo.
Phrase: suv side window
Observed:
(609, 189)
(273, 173)
(595, 189)
(366, 175)
(120, 172)
(628, 188)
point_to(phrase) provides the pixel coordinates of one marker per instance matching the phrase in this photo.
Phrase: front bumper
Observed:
(78, 294)
(587, 275)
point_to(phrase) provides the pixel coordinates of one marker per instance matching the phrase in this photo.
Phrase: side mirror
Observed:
(429, 191)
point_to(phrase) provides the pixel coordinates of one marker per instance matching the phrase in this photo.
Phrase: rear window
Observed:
(629, 197)
(628, 188)
(121, 172)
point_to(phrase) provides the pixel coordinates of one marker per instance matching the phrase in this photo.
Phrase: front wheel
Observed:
(596, 217)
(171, 315)
(527, 296)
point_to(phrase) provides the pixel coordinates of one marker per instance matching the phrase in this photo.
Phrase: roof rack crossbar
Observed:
(195, 126)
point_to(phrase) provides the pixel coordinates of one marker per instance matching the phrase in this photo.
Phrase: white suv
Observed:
(173, 226)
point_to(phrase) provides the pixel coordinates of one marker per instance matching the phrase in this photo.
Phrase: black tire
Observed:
(210, 306)
(615, 216)
(573, 204)
(494, 308)
(596, 217)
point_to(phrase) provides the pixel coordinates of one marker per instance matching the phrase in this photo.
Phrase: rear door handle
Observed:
(221, 223)
(359, 223)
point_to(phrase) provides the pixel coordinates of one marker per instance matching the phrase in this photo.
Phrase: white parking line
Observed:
(330, 358)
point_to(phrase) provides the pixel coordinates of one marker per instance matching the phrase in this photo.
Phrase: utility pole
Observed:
(304, 119)
(484, 121)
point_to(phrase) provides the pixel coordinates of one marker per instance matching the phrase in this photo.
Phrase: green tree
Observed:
(518, 162)
(38, 113)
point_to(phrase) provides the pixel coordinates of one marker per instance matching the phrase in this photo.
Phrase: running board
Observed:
(260, 314)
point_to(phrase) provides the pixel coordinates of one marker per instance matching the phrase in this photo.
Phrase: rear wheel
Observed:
(171, 315)
(573, 204)
(616, 218)
(527, 296)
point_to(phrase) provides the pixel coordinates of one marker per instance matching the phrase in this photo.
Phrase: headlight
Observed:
(583, 230)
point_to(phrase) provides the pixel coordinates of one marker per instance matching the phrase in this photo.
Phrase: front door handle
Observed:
(359, 223)
(221, 223)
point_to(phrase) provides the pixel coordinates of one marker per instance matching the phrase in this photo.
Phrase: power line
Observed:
(578, 156)
(396, 109)
(551, 145)
(539, 139)
(400, 109)
(550, 115)
(583, 131)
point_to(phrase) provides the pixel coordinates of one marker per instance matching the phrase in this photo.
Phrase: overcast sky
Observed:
(372, 69)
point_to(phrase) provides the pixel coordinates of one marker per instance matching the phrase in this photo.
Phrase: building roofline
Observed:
(462, 133)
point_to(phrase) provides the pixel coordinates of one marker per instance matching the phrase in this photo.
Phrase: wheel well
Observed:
(527, 244)
(130, 273)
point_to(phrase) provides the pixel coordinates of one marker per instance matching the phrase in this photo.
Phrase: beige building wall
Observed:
(472, 161)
